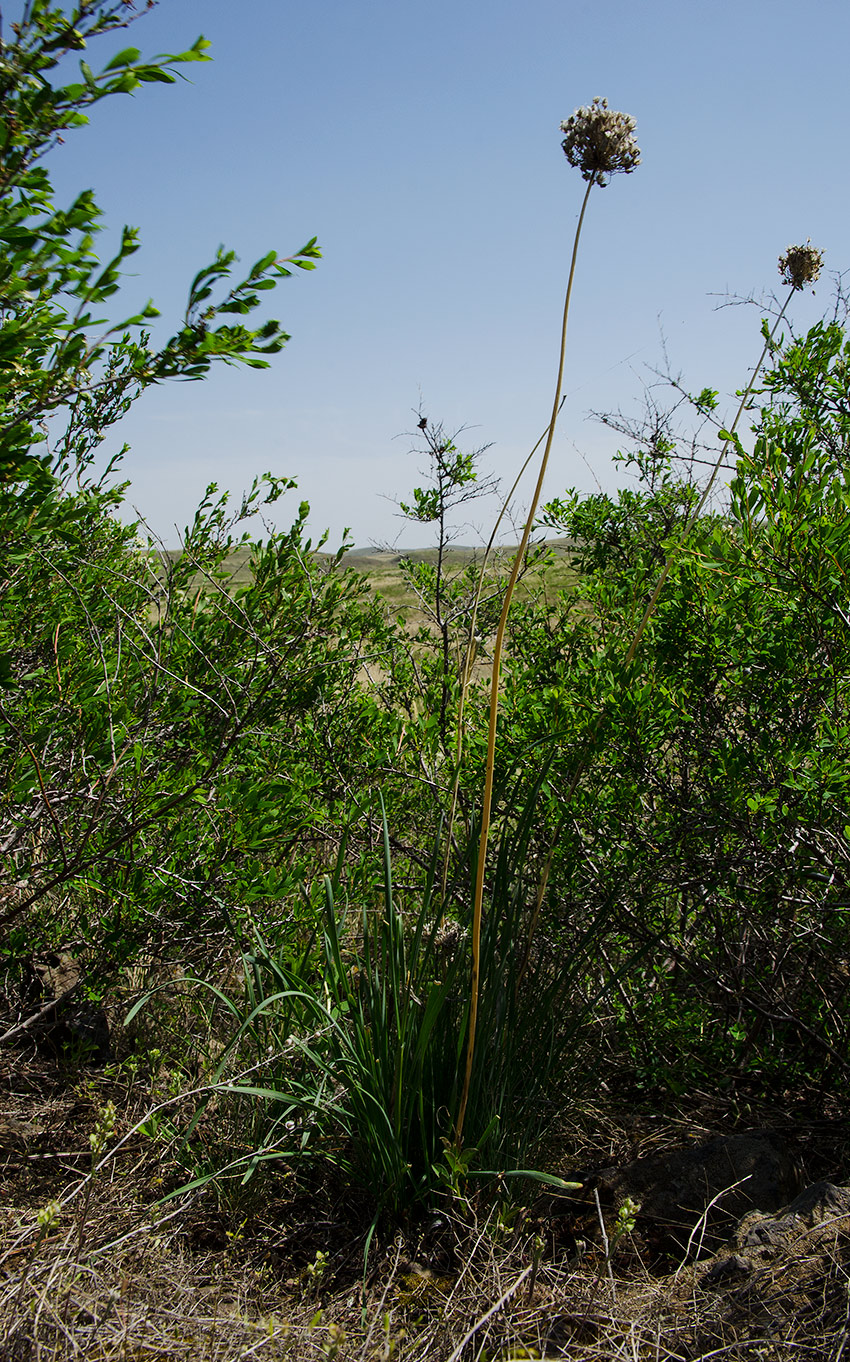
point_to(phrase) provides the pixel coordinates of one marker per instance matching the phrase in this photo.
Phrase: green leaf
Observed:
(548, 1178)
(154, 74)
(125, 57)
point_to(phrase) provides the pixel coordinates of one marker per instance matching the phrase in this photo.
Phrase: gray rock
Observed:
(818, 1203)
(763, 1242)
(726, 1270)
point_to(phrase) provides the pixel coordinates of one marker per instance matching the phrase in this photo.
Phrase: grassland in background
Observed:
(384, 570)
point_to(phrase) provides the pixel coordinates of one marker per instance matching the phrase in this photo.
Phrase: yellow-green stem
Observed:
(466, 675)
(487, 802)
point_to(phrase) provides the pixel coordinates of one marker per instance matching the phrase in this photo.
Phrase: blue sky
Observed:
(420, 143)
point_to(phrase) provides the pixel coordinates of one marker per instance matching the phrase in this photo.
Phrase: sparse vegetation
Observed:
(249, 916)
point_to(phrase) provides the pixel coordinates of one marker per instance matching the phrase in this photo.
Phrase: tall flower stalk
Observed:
(600, 143)
(469, 661)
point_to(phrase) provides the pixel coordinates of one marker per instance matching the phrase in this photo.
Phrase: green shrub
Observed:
(712, 775)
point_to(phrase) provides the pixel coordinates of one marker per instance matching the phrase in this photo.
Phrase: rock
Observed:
(58, 973)
(690, 1199)
(71, 1023)
(821, 1202)
(762, 1243)
(726, 1270)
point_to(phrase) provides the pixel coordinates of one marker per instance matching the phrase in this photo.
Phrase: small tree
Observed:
(445, 595)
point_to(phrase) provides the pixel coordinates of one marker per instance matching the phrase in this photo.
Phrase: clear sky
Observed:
(420, 143)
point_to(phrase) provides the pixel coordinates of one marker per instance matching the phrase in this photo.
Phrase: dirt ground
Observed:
(94, 1264)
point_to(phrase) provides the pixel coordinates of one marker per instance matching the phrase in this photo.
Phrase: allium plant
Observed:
(800, 265)
(600, 143)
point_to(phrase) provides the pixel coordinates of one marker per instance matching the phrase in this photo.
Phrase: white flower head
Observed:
(800, 265)
(600, 142)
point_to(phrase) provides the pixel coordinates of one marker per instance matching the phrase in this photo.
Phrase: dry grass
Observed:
(279, 1274)
(153, 1293)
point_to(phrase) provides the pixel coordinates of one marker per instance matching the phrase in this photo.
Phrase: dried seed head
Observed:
(800, 265)
(600, 142)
